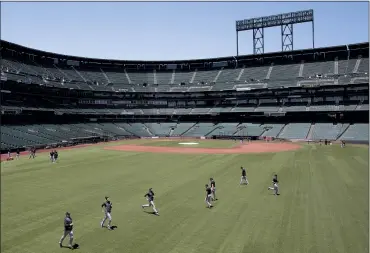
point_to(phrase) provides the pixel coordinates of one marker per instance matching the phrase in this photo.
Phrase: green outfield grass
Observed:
(323, 206)
(201, 143)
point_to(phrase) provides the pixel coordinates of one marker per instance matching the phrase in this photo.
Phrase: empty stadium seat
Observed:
(356, 132)
(295, 131)
(181, 128)
(160, 80)
(200, 129)
(321, 131)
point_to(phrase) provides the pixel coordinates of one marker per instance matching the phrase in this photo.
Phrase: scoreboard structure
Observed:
(285, 20)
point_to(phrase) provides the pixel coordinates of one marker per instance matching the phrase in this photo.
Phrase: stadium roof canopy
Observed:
(39, 53)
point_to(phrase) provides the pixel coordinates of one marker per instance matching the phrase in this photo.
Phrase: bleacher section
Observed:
(137, 129)
(228, 75)
(201, 129)
(272, 130)
(181, 128)
(274, 75)
(321, 131)
(254, 73)
(205, 76)
(228, 129)
(34, 135)
(160, 129)
(249, 129)
(201, 111)
(113, 129)
(318, 68)
(295, 131)
(356, 132)
(19, 137)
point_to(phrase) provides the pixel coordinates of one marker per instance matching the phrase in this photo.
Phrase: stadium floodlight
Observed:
(285, 20)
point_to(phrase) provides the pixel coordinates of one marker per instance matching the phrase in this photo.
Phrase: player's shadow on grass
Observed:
(152, 213)
(112, 227)
(74, 246)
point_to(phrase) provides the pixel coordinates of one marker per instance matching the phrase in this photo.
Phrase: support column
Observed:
(258, 41)
(287, 37)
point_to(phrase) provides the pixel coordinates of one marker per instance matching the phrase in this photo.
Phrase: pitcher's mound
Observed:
(188, 143)
(254, 147)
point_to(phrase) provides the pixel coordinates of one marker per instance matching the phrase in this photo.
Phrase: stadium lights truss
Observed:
(285, 20)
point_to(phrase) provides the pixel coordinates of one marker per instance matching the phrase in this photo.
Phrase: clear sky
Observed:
(171, 30)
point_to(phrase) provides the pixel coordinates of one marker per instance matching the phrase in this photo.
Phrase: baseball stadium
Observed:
(121, 127)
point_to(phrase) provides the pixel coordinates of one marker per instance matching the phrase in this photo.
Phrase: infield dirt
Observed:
(256, 147)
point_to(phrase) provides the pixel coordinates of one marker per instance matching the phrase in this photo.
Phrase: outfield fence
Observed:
(71, 142)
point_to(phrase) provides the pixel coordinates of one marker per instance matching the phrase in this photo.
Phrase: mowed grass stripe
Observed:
(338, 202)
(245, 219)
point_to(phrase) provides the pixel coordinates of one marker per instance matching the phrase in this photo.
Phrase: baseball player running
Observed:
(150, 197)
(244, 176)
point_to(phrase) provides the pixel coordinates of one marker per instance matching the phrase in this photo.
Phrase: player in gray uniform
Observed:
(107, 209)
(68, 230)
(208, 196)
(150, 197)
(275, 186)
(213, 188)
(244, 176)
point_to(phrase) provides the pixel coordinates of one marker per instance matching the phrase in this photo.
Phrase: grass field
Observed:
(323, 206)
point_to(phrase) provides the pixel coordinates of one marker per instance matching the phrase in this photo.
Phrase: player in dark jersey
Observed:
(68, 230)
(17, 154)
(208, 196)
(55, 156)
(107, 209)
(244, 176)
(150, 197)
(52, 156)
(213, 188)
(275, 186)
(32, 153)
(274, 179)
